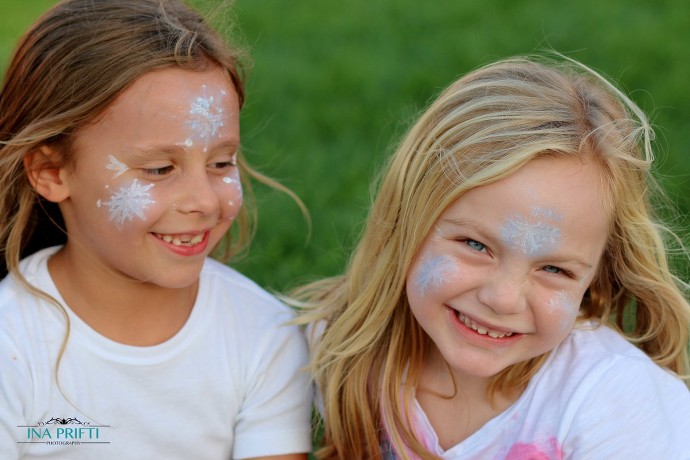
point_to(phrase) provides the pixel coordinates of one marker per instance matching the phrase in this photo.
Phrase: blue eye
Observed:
(476, 245)
(552, 269)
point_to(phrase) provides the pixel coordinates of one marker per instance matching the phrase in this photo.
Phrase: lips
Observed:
(181, 239)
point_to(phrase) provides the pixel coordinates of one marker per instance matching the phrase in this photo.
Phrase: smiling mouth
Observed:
(182, 239)
(482, 330)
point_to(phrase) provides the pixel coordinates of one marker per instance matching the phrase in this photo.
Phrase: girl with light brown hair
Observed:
(121, 170)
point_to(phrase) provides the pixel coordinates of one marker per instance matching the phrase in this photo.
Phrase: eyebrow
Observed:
(475, 225)
(179, 149)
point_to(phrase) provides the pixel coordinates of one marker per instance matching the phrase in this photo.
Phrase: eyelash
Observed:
(162, 171)
(472, 243)
(560, 271)
(224, 164)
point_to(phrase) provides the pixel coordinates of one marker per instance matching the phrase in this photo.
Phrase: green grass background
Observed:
(335, 83)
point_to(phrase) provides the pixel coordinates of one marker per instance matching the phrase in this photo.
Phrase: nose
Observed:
(504, 292)
(196, 194)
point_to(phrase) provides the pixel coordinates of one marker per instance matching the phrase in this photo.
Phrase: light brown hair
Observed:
(67, 68)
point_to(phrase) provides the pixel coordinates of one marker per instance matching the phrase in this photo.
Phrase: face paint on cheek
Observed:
(206, 117)
(127, 202)
(435, 272)
(438, 233)
(235, 202)
(534, 235)
(116, 165)
(563, 304)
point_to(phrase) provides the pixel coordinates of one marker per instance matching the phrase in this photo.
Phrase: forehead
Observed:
(162, 107)
(566, 191)
(172, 89)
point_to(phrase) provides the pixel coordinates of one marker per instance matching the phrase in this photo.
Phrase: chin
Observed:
(176, 279)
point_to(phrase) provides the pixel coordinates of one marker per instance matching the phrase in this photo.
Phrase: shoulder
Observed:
(596, 369)
(253, 315)
(234, 290)
(601, 387)
(15, 299)
(596, 349)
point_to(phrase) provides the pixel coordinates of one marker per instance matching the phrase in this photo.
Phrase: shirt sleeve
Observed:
(637, 410)
(276, 413)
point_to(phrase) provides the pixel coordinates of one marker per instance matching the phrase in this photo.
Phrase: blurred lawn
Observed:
(335, 83)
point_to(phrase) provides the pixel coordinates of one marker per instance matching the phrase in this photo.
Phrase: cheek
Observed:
(128, 202)
(561, 309)
(230, 195)
(432, 274)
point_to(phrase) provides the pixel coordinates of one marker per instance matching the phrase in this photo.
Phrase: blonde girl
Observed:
(121, 172)
(511, 295)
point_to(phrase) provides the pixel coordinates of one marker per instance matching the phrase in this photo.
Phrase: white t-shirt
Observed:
(229, 384)
(597, 397)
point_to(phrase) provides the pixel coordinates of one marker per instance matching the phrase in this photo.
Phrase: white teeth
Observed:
(184, 240)
(481, 329)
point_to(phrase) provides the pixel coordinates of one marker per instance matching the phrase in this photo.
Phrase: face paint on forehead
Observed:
(539, 210)
(206, 117)
(127, 202)
(434, 272)
(535, 234)
(116, 165)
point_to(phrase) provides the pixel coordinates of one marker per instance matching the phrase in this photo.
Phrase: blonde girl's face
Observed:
(156, 186)
(500, 277)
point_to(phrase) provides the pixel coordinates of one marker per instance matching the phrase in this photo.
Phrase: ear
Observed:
(46, 173)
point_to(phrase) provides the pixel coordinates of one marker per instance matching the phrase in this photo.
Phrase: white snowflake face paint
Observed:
(534, 234)
(116, 165)
(498, 278)
(562, 300)
(206, 117)
(128, 202)
(562, 304)
(233, 181)
(163, 201)
(438, 233)
(540, 210)
(435, 272)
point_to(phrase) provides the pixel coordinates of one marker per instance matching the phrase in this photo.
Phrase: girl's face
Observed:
(500, 277)
(156, 186)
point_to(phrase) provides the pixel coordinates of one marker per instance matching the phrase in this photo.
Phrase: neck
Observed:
(456, 404)
(438, 378)
(121, 309)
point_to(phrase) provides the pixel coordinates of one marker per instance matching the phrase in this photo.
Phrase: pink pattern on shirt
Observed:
(523, 451)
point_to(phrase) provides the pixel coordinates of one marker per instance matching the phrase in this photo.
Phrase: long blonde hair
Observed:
(481, 128)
